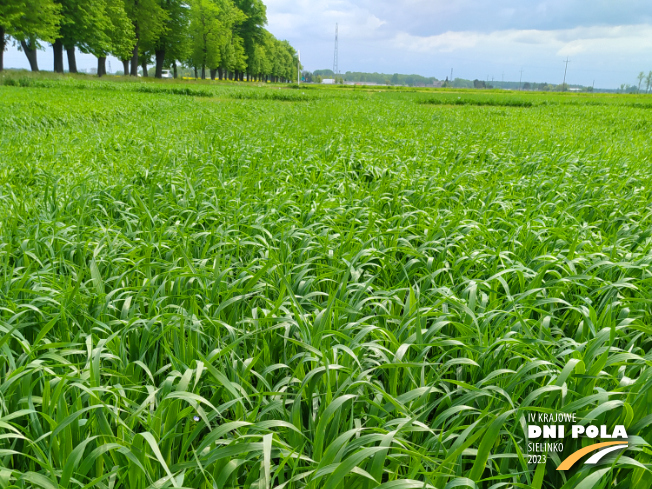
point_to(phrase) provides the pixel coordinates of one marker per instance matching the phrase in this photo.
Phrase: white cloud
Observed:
(316, 19)
(564, 42)
(446, 42)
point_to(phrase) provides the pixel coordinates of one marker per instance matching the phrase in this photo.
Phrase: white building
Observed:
(328, 81)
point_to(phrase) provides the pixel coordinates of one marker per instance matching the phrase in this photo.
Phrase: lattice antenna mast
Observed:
(336, 68)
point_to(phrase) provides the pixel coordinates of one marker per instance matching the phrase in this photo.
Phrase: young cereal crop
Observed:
(220, 287)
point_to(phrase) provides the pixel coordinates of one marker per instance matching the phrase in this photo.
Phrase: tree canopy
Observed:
(220, 36)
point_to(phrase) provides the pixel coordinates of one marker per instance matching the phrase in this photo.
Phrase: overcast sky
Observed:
(609, 41)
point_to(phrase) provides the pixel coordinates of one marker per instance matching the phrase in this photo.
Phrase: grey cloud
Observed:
(478, 38)
(427, 16)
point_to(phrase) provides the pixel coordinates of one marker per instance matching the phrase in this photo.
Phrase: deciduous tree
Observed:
(252, 30)
(172, 45)
(116, 36)
(149, 24)
(83, 22)
(28, 22)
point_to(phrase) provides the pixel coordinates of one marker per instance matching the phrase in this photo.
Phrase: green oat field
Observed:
(219, 286)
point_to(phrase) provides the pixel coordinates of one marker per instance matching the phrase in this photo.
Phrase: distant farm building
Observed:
(328, 81)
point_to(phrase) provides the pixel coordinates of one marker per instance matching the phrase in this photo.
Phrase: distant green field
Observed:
(210, 285)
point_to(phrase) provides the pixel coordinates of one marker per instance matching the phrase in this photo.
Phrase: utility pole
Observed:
(299, 68)
(563, 86)
(521, 79)
(336, 67)
(451, 75)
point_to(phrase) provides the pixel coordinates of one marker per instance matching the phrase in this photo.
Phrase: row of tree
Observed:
(642, 77)
(225, 38)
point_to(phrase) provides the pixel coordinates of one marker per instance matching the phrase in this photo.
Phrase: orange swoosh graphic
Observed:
(574, 457)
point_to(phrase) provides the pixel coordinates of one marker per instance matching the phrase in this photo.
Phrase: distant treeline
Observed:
(224, 38)
(376, 78)
(418, 80)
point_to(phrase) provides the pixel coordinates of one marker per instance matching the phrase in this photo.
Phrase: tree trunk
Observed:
(196, 73)
(3, 41)
(72, 60)
(160, 58)
(134, 60)
(213, 72)
(125, 67)
(219, 72)
(203, 72)
(101, 66)
(31, 56)
(174, 65)
(57, 47)
(144, 67)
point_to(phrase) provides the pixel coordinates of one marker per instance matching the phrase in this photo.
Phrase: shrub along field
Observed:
(211, 286)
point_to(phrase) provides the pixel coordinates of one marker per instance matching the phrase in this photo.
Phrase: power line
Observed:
(565, 71)
(336, 68)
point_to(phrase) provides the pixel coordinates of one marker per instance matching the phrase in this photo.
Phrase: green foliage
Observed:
(149, 21)
(499, 102)
(251, 29)
(85, 24)
(30, 20)
(354, 291)
(119, 30)
(207, 31)
(175, 41)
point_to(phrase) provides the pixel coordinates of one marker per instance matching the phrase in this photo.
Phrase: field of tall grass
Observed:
(210, 286)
